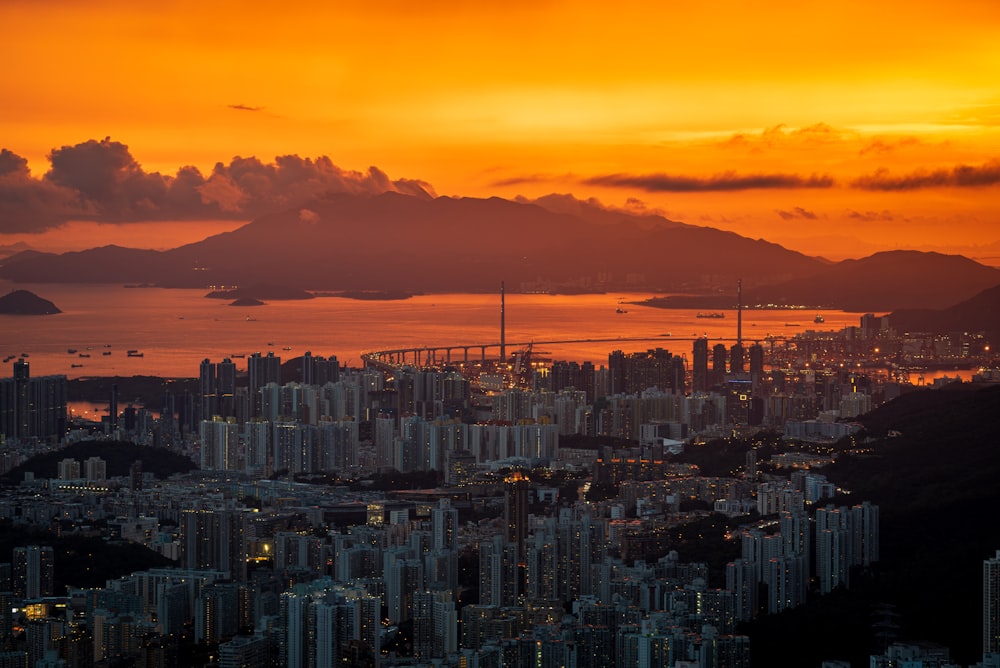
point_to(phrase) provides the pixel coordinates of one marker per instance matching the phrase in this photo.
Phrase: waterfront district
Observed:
(538, 529)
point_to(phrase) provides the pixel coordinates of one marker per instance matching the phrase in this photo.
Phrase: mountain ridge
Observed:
(393, 241)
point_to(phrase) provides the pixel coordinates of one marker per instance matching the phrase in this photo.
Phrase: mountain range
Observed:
(398, 242)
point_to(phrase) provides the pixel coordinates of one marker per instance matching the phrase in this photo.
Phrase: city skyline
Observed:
(875, 132)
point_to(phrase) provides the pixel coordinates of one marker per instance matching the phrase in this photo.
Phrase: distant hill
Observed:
(13, 249)
(82, 561)
(935, 485)
(396, 242)
(119, 456)
(23, 302)
(108, 264)
(978, 314)
(884, 282)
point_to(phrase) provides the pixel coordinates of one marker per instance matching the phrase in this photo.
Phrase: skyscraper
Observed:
(32, 407)
(261, 371)
(34, 571)
(444, 525)
(699, 369)
(515, 510)
(719, 354)
(207, 380)
(991, 605)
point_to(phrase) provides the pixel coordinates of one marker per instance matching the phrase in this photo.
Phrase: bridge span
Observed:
(447, 354)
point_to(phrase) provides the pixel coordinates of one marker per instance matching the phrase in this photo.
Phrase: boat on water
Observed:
(287, 348)
(792, 324)
(75, 366)
(106, 352)
(238, 355)
(134, 353)
(711, 314)
(819, 318)
(71, 351)
(620, 310)
(84, 354)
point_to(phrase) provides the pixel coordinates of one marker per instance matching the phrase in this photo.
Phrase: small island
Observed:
(23, 302)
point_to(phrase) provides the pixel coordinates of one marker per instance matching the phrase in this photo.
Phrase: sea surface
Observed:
(175, 329)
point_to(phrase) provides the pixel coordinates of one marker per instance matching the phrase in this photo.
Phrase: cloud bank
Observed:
(796, 213)
(101, 181)
(727, 181)
(961, 176)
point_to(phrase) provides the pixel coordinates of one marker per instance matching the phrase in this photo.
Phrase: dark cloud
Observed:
(520, 180)
(727, 181)
(244, 107)
(797, 212)
(12, 163)
(30, 205)
(100, 180)
(961, 176)
(870, 216)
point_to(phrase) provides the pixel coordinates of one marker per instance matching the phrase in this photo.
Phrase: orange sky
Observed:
(832, 128)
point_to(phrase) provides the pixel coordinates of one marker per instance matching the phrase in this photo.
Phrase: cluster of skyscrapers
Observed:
(278, 572)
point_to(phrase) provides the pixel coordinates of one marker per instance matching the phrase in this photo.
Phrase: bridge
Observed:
(447, 354)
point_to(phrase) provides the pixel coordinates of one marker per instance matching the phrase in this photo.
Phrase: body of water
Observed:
(175, 329)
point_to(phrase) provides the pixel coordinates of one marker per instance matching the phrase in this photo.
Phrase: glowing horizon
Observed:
(833, 131)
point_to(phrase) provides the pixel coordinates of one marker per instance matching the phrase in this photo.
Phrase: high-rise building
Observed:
(214, 539)
(34, 571)
(719, 354)
(991, 605)
(634, 372)
(32, 408)
(756, 361)
(95, 469)
(219, 444)
(207, 389)
(736, 355)
(444, 525)
(515, 510)
(69, 469)
(225, 388)
(261, 371)
(699, 368)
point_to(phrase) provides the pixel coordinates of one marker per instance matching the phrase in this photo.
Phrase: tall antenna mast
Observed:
(739, 312)
(503, 343)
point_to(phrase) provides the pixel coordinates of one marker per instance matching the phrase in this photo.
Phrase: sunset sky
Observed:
(837, 129)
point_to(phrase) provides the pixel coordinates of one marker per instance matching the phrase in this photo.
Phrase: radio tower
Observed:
(503, 344)
(739, 312)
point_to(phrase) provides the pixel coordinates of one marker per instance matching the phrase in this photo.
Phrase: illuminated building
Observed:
(219, 444)
(515, 510)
